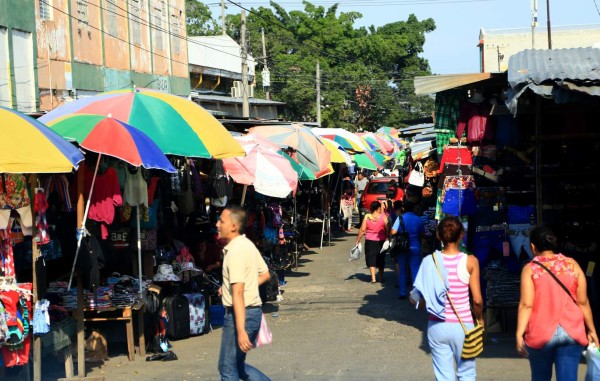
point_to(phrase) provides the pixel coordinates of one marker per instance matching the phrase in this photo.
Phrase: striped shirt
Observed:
(459, 290)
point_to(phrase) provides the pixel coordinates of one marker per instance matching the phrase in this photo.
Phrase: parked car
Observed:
(376, 190)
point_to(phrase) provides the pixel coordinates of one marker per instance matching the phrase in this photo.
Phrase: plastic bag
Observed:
(264, 336)
(592, 358)
(356, 252)
(386, 246)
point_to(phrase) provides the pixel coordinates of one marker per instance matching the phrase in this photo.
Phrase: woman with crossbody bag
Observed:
(555, 320)
(443, 283)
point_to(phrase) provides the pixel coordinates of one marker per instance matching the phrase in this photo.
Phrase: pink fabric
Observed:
(552, 306)
(106, 195)
(459, 292)
(376, 229)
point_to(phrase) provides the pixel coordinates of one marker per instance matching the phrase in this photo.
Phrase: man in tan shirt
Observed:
(244, 270)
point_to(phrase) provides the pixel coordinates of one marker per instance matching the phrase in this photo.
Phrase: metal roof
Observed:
(537, 66)
(432, 84)
(226, 99)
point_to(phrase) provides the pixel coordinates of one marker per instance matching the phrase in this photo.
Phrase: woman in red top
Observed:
(554, 324)
(375, 229)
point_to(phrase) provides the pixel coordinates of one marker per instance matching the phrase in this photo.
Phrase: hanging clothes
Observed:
(17, 303)
(136, 189)
(6, 251)
(60, 185)
(14, 196)
(105, 197)
(41, 205)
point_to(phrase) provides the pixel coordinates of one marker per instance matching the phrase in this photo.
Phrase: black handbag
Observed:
(400, 243)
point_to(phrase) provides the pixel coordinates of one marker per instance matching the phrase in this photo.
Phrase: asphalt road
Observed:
(332, 324)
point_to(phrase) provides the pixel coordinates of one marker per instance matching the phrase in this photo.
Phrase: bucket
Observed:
(217, 315)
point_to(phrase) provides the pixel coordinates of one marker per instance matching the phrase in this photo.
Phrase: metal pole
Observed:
(223, 27)
(264, 49)
(318, 93)
(245, 102)
(549, 28)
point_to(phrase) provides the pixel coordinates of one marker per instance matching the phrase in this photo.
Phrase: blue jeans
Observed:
(232, 361)
(561, 350)
(412, 261)
(446, 341)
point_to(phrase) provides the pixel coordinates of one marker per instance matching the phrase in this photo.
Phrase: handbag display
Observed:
(264, 336)
(417, 175)
(473, 344)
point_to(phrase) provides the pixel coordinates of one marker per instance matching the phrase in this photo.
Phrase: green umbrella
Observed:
(362, 160)
(303, 172)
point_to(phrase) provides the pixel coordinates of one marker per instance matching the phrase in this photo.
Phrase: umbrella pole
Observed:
(81, 231)
(244, 195)
(307, 209)
(139, 247)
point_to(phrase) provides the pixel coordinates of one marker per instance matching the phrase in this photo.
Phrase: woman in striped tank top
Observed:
(444, 333)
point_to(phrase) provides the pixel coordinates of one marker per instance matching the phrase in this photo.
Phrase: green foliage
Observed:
(379, 63)
(199, 19)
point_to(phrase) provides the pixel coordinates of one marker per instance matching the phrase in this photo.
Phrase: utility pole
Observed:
(318, 93)
(245, 102)
(534, 21)
(549, 29)
(266, 76)
(223, 27)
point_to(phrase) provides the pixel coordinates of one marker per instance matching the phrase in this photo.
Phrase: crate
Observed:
(217, 315)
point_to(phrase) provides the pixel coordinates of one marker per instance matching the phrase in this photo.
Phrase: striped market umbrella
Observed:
(308, 148)
(178, 126)
(28, 146)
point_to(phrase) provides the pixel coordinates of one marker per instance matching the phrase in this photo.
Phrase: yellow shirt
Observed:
(242, 263)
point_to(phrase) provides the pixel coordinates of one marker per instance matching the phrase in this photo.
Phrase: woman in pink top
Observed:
(374, 228)
(552, 321)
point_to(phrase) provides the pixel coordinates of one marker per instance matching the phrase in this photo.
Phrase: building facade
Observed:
(53, 51)
(18, 82)
(216, 79)
(496, 46)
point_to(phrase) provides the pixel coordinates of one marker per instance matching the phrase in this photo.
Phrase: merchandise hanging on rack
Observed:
(15, 299)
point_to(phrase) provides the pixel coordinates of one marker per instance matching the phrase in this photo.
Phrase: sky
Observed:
(452, 47)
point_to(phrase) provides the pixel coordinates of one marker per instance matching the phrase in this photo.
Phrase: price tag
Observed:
(505, 249)
(590, 268)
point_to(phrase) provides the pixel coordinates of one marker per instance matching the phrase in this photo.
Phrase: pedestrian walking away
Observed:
(244, 270)
(460, 273)
(555, 320)
(374, 228)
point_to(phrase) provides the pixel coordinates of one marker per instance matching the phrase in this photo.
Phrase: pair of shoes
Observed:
(373, 281)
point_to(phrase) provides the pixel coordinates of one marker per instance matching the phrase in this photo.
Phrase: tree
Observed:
(199, 19)
(366, 73)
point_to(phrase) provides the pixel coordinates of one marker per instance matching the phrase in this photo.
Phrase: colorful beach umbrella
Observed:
(389, 130)
(28, 146)
(109, 136)
(309, 150)
(384, 146)
(178, 126)
(112, 137)
(347, 139)
(270, 173)
(338, 154)
(364, 160)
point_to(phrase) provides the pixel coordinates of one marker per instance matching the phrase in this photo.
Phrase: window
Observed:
(175, 32)
(157, 26)
(135, 16)
(45, 9)
(82, 15)
(111, 10)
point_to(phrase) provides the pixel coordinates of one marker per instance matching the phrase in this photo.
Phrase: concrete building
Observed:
(216, 78)
(18, 82)
(85, 47)
(496, 46)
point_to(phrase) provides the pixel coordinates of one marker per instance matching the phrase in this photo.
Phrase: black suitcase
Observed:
(178, 311)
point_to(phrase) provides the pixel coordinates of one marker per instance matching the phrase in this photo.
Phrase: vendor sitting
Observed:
(208, 254)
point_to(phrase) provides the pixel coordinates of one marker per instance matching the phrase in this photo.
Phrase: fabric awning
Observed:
(432, 84)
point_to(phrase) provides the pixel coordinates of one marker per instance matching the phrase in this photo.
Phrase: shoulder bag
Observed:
(473, 344)
(561, 284)
(401, 242)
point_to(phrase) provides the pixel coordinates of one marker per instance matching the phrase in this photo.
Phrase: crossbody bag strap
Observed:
(561, 284)
(448, 294)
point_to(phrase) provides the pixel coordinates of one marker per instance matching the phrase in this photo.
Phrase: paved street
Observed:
(332, 325)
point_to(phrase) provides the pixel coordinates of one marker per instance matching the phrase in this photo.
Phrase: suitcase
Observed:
(178, 310)
(197, 313)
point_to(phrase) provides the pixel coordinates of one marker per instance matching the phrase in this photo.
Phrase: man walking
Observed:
(360, 184)
(243, 271)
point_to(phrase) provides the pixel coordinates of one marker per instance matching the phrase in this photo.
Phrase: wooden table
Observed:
(122, 314)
